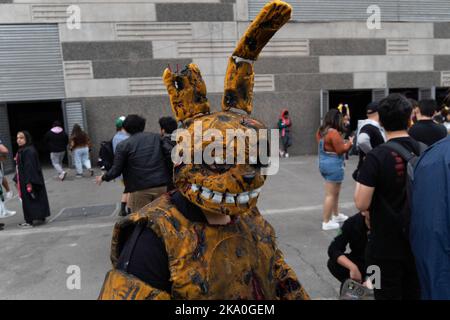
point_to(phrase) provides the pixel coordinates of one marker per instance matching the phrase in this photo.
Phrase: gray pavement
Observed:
(34, 262)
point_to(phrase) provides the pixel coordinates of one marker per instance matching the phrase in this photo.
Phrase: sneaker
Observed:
(79, 175)
(330, 225)
(62, 176)
(2, 226)
(339, 218)
(25, 225)
(286, 155)
(92, 172)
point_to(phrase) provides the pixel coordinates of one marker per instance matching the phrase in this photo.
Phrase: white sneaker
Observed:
(330, 225)
(339, 218)
(286, 155)
(62, 176)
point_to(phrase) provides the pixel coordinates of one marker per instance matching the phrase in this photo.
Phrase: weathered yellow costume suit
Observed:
(239, 260)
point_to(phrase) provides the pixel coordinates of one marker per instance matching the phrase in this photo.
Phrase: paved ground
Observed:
(33, 263)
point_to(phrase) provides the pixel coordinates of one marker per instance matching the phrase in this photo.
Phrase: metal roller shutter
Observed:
(427, 93)
(379, 94)
(74, 112)
(345, 10)
(30, 63)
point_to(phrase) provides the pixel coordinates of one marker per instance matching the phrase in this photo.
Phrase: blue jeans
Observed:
(81, 158)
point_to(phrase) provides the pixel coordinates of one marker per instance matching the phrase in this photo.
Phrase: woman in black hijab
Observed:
(30, 182)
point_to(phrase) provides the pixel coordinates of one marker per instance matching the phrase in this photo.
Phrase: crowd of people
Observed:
(395, 134)
(390, 142)
(141, 160)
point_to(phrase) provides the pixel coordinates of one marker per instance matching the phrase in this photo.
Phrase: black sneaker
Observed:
(92, 172)
(2, 226)
(25, 225)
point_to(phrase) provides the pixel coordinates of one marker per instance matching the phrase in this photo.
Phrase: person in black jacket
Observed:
(30, 183)
(425, 130)
(350, 265)
(168, 125)
(56, 140)
(140, 160)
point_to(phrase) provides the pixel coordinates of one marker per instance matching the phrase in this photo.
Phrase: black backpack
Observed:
(106, 155)
(411, 160)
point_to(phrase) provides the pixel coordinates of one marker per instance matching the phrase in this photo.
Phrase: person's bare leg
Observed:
(328, 201)
(337, 191)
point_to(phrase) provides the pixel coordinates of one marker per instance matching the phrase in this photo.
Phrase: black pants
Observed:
(286, 141)
(399, 279)
(341, 273)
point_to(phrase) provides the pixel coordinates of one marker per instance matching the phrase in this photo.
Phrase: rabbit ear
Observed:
(187, 92)
(239, 79)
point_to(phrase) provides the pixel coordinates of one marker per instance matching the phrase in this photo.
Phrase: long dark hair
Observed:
(28, 139)
(78, 136)
(76, 130)
(333, 120)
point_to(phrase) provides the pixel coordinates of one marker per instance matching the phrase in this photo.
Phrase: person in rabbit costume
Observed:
(207, 239)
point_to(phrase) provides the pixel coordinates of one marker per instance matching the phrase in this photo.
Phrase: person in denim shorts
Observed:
(332, 149)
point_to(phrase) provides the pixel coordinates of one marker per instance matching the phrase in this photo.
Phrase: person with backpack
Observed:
(57, 140)
(120, 135)
(369, 135)
(382, 189)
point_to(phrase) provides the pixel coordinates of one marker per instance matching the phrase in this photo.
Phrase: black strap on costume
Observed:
(129, 248)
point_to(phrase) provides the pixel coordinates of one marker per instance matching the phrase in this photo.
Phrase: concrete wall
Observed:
(115, 61)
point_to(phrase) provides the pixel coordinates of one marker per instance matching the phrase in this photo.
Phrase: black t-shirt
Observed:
(385, 170)
(353, 233)
(428, 132)
(149, 261)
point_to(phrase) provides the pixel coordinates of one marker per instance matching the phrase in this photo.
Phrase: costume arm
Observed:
(119, 285)
(288, 286)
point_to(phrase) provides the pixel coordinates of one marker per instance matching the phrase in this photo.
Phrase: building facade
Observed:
(112, 64)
